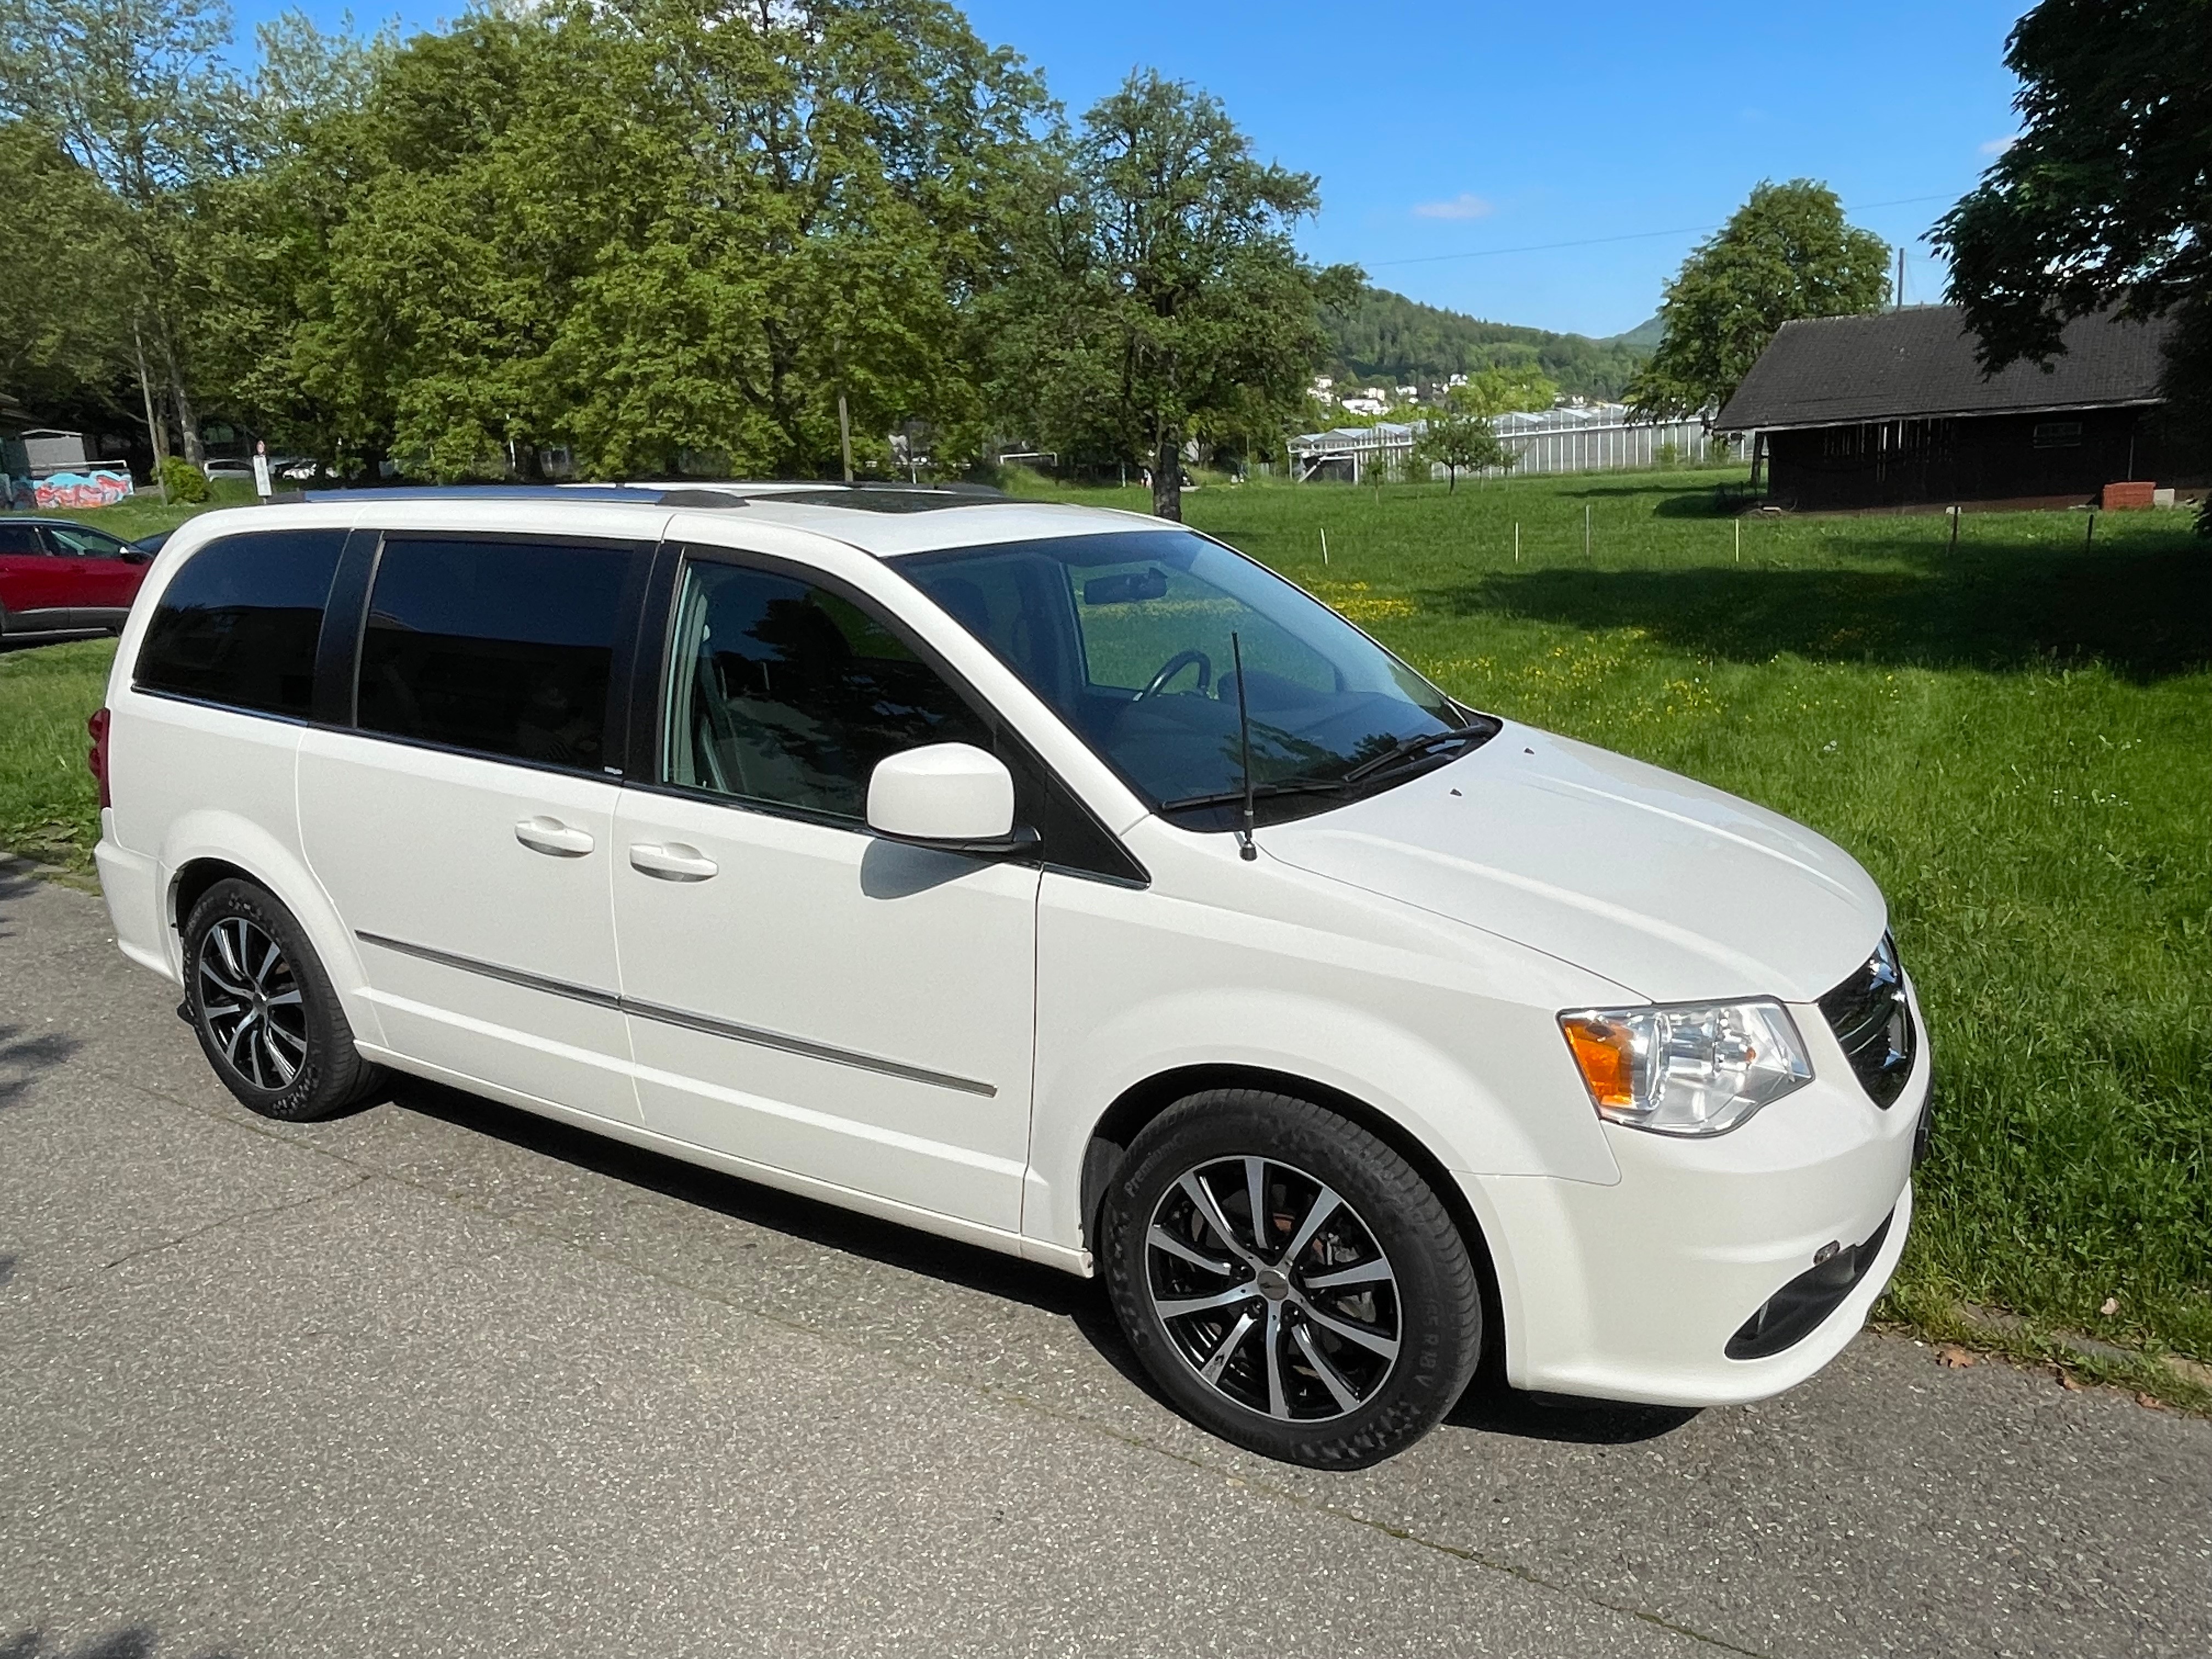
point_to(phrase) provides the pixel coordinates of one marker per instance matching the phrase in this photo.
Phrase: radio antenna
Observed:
(1247, 851)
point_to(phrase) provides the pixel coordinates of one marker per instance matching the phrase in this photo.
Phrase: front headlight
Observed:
(1686, 1070)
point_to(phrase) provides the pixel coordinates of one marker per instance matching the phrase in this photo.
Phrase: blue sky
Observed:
(1443, 130)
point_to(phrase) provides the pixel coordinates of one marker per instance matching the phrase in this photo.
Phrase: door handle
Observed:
(674, 862)
(553, 838)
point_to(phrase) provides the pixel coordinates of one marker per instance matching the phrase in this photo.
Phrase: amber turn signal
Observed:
(1605, 1052)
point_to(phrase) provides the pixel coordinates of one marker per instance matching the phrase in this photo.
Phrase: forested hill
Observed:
(1389, 338)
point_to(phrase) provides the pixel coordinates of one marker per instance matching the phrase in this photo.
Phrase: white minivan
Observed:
(1052, 878)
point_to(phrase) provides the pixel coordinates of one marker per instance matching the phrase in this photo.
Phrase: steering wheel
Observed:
(1174, 666)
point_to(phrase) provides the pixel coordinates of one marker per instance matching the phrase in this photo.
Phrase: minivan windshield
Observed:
(1133, 637)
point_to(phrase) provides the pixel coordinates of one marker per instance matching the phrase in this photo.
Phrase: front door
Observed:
(465, 828)
(35, 584)
(103, 574)
(802, 994)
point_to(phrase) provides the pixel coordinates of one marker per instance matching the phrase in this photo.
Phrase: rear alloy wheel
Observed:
(267, 1017)
(251, 1003)
(1289, 1280)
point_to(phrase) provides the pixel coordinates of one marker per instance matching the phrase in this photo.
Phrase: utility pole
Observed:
(1897, 300)
(845, 437)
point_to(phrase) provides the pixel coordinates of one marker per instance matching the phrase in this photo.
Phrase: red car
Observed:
(60, 577)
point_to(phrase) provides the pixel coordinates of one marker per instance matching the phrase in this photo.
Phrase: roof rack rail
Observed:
(735, 493)
(707, 498)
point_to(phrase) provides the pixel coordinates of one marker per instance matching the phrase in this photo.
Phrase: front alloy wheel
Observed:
(1273, 1289)
(1288, 1279)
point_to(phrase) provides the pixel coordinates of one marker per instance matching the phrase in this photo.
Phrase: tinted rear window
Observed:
(504, 648)
(238, 624)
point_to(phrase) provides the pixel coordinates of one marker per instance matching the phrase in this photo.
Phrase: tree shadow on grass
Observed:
(1699, 493)
(2146, 616)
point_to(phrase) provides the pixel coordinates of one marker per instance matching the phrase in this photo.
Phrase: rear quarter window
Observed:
(237, 626)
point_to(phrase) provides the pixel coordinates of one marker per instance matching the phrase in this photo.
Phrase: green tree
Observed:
(1461, 442)
(665, 233)
(1158, 300)
(1786, 254)
(265, 232)
(64, 338)
(2105, 199)
(1504, 390)
(134, 91)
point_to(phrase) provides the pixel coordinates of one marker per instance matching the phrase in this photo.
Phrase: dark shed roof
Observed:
(1840, 371)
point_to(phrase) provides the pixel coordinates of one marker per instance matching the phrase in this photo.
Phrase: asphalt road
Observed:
(442, 1378)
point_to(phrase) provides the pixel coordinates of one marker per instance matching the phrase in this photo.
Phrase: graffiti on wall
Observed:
(101, 486)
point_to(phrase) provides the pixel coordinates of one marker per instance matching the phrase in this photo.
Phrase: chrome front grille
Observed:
(1873, 1024)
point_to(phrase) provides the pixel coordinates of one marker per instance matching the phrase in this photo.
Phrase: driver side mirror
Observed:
(951, 796)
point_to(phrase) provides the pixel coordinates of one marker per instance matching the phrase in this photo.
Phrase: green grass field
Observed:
(2014, 736)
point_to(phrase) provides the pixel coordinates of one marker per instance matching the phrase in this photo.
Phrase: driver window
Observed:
(84, 543)
(784, 693)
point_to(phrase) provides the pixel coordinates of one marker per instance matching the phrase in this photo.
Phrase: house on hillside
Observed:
(1894, 410)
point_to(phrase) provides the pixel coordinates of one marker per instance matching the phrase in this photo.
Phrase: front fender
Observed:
(1433, 1094)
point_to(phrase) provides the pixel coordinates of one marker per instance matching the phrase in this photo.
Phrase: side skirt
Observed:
(845, 1197)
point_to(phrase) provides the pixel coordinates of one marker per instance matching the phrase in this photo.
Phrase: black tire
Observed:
(1332, 1398)
(273, 1031)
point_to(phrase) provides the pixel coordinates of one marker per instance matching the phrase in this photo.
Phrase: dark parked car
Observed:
(60, 577)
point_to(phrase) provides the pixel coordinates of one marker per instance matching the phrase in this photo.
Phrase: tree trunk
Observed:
(1167, 477)
(1452, 488)
(188, 425)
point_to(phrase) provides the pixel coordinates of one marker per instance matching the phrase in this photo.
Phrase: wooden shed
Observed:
(1893, 410)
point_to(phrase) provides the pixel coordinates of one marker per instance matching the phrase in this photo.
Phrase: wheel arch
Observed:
(1140, 1104)
(191, 881)
(204, 848)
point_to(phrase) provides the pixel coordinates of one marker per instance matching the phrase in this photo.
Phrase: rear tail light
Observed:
(97, 760)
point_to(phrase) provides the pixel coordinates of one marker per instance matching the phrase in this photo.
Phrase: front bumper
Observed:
(1635, 1291)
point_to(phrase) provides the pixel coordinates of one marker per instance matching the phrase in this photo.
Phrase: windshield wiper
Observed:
(1409, 748)
(1259, 792)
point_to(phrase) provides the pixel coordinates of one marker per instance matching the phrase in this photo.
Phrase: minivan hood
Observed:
(1676, 891)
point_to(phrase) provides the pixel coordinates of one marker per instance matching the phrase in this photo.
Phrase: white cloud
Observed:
(1999, 146)
(1465, 205)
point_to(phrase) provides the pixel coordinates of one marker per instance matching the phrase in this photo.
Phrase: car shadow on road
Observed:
(1489, 1406)
(1080, 1302)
